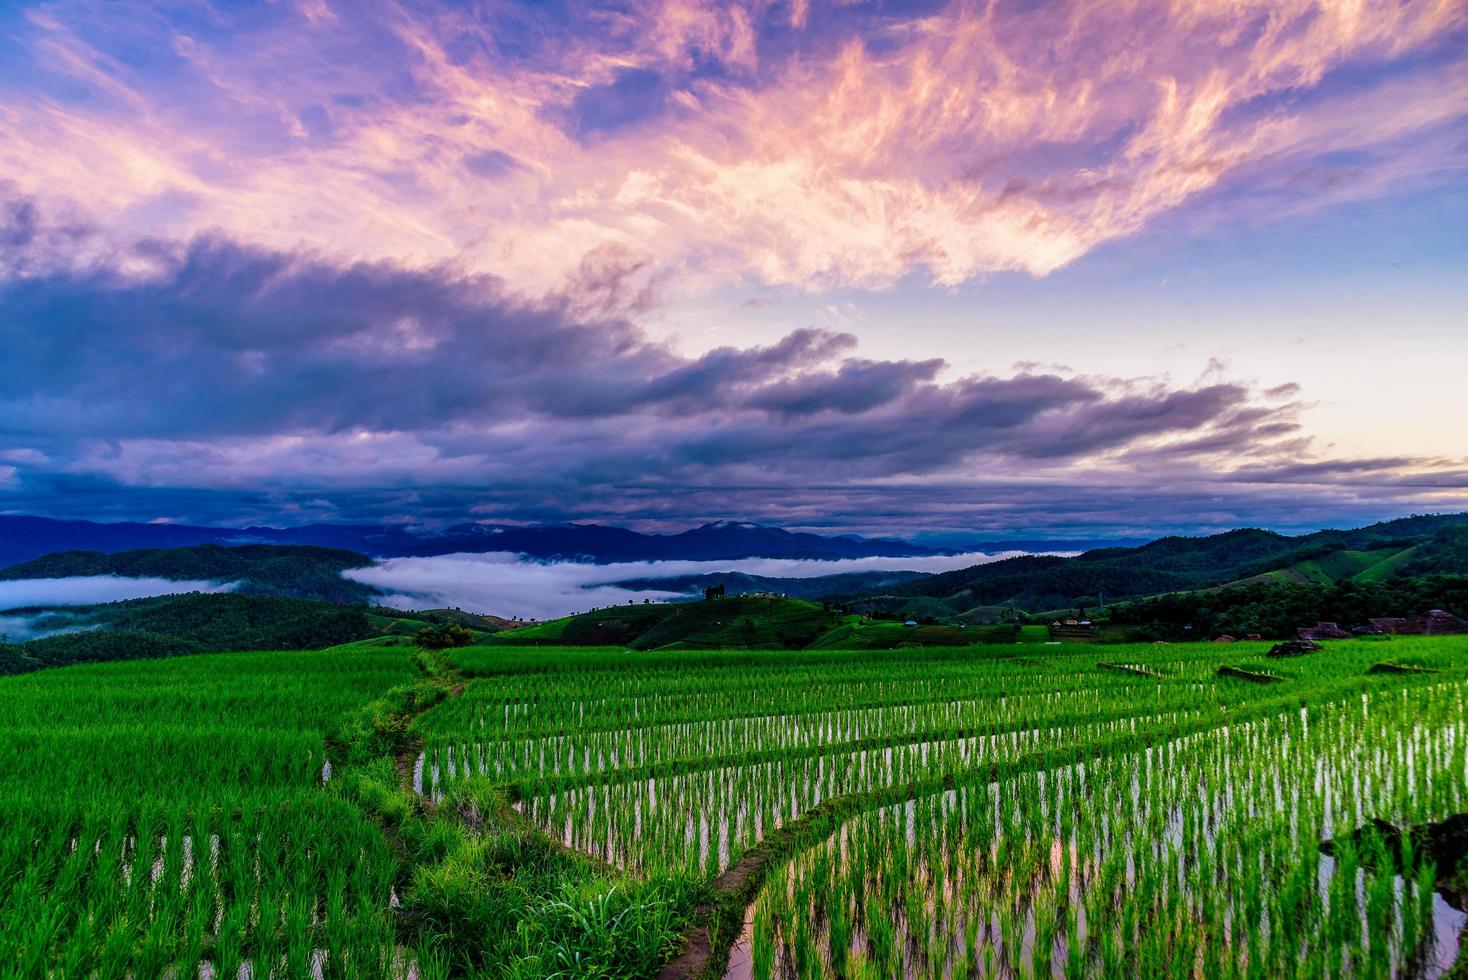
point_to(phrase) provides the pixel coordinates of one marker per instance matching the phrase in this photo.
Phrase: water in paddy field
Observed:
(741, 954)
(940, 945)
(404, 967)
(1448, 924)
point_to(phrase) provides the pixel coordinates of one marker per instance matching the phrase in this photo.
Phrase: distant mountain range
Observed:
(1410, 547)
(26, 538)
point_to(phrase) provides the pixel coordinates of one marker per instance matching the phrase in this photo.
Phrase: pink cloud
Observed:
(975, 140)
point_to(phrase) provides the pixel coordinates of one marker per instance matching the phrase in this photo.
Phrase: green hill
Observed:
(613, 626)
(744, 622)
(296, 571)
(166, 626)
(749, 622)
(1413, 546)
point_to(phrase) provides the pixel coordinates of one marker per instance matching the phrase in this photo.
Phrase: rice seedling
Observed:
(1114, 811)
(168, 815)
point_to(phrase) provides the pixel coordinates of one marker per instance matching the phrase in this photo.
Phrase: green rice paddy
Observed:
(993, 810)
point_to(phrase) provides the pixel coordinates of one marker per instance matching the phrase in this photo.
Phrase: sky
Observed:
(948, 271)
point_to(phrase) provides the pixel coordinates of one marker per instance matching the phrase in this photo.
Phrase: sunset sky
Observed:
(942, 270)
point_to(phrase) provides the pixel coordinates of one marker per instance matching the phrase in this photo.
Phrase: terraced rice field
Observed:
(999, 812)
(163, 815)
(990, 811)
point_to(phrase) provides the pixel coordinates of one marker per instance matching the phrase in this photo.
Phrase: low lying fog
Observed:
(85, 590)
(506, 584)
(82, 590)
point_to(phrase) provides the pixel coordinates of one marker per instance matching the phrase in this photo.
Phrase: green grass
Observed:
(1385, 567)
(396, 625)
(743, 622)
(168, 812)
(531, 811)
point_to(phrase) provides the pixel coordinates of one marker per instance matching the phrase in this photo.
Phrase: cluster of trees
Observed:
(1275, 610)
(1445, 553)
(230, 621)
(90, 647)
(443, 636)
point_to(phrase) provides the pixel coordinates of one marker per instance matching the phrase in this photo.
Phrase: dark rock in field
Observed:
(1293, 648)
(1387, 667)
(1130, 669)
(1254, 677)
(1445, 844)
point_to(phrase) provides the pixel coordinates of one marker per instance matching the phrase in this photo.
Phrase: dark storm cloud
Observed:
(219, 340)
(213, 381)
(857, 386)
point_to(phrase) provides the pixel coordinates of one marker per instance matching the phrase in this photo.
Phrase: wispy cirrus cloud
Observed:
(788, 144)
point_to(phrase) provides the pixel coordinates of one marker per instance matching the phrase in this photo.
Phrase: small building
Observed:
(1323, 631)
(1387, 624)
(1440, 622)
(1225, 638)
(1253, 636)
(1437, 622)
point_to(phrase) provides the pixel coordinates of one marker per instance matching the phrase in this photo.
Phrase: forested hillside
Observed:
(1413, 546)
(194, 623)
(1275, 610)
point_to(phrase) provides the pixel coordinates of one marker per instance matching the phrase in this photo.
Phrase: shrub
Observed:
(444, 636)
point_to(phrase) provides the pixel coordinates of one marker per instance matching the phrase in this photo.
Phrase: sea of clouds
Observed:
(508, 584)
(501, 583)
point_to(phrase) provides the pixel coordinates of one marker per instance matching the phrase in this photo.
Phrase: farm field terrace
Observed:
(167, 813)
(995, 810)
(506, 811)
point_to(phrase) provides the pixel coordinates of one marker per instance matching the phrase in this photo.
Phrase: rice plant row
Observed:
(169, 818)
(1198, 857)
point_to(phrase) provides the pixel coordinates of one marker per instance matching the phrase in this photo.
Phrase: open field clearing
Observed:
(994, 811)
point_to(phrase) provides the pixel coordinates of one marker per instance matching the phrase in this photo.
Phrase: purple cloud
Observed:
(375, 390)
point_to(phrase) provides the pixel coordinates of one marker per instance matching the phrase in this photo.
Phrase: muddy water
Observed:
(404, 967)
(1447, 924)
(1014, 946)
(741, 954)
